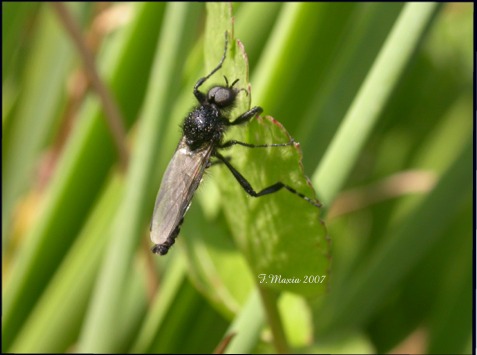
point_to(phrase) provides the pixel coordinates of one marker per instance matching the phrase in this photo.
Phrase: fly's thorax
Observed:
(204, 125)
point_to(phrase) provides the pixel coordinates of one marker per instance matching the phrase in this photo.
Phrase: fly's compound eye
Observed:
(221, 96)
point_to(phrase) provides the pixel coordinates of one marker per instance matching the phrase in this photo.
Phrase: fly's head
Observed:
(223, 97)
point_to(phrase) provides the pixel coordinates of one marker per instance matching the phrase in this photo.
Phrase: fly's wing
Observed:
(181, 179)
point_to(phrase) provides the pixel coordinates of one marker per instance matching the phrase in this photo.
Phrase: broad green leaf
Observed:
(216, 267)
(280, 234)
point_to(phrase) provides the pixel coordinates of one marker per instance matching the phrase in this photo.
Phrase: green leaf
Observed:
(75, 277)
(216, 267)
(371, 98)
(99, 330)
(385, 266)
(31, 126)
(70, 289)
(280, 234)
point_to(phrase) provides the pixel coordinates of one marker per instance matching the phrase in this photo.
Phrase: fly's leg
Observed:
(266, 191)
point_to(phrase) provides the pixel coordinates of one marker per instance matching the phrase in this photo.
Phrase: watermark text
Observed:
(278, 279)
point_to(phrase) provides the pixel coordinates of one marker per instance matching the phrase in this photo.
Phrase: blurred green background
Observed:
(379, 95)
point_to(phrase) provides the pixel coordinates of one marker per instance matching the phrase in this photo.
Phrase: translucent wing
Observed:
(181, 179)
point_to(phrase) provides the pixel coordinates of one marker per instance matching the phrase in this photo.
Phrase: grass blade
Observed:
(373, 95)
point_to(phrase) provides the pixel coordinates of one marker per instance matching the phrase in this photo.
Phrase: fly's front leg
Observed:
(200, 96)
(249, 145)
(246, 116)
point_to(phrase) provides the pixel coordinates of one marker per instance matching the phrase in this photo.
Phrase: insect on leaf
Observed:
(281, 234)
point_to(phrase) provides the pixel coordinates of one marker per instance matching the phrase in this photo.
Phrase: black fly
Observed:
(202, 136)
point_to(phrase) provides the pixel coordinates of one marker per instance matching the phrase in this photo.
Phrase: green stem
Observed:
(247, 326)
(269, 300)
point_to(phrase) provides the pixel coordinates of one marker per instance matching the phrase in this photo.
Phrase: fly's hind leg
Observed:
(266, 191)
